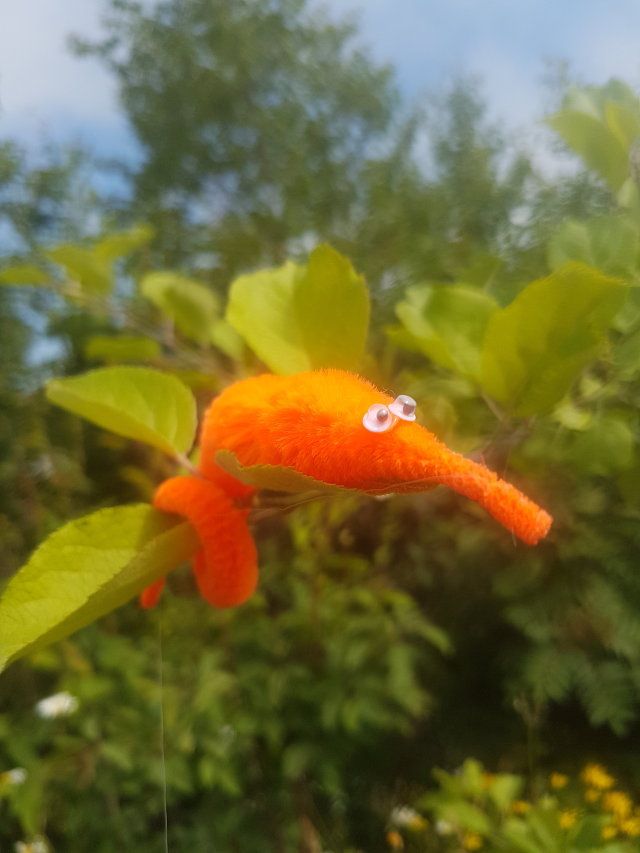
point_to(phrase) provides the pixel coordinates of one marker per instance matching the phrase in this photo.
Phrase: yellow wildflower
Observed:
(591, 795)
(595, 776)
(558, 780)
(395, 840)
(472, 841)
(609, 832)
(631, 827)
(618, 803)
(520, 807)
(568, 817)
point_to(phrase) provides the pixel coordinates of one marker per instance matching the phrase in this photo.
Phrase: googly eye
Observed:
(378, 418)
(404, 407)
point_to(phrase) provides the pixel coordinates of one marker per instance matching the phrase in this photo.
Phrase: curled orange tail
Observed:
(226, 569)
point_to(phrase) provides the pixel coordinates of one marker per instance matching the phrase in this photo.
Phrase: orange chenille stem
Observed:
(226, 569)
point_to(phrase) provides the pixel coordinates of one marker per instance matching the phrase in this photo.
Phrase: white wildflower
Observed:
(58, 705)
(38, 845)
(16, 776)
(443, 827)
(404, 816)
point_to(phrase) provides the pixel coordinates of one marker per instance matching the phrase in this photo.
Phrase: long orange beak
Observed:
(409, 458)
(424, 461)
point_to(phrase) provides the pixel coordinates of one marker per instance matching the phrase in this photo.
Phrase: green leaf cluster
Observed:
(473, 809)
(302, 318)
(601, 124)
(528, 354)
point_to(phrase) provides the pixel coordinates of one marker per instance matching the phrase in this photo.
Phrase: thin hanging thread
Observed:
(162, 756)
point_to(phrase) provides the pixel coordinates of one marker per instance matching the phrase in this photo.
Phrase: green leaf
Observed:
(466, 816)
(606, 446)
(610, 243)
(519, 836)
(504, 789)
(331, 304)
(587, 836)
(136, 402)
(400, 337)
(549, 673)
(121, 243)
(92, 272)
(471, 776)
(261, 309)
(227, 340)
(120, 348)
(448, 323)
(198, 381)
(86, 569)
(623, 122)
(274, 477)
(302, 318)
(24, 274)
(296, 759)
(626, 355)
(599, 147)
(601, 123)
(536, 346)
(191, 305)
(608, 694)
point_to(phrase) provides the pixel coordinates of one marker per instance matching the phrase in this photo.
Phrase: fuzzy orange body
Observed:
(312, 423)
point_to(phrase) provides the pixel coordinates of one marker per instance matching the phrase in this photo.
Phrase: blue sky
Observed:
(47, 94)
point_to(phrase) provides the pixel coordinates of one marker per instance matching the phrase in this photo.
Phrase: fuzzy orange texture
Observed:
(312, 423)
(226, 568)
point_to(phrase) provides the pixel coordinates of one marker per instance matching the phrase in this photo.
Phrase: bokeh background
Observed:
(406, 678)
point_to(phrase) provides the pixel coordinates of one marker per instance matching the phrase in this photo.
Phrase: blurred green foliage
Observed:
(388, 636)
(473, 810)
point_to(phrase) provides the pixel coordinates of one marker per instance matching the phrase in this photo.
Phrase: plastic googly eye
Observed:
(378, 418)
(404, 407)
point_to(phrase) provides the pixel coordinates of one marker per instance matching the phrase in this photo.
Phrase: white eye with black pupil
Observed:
(404, 407)
(378, 418)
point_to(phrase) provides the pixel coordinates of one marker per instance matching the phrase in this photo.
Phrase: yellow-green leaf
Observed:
(331, 304)
(121, 348)
(599, 147)
(610, 243)
(191, 305)
(261, 309)
(448, 322)
(299, 318)
(19, 275)
(536, 346)
(85, 266)
(136, 402)
(86, 569)
(606, 446)
(225, 338)
(121, 243)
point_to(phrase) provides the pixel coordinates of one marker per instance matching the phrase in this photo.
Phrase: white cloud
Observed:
(42, 86)
(612, 49)
(46, 92)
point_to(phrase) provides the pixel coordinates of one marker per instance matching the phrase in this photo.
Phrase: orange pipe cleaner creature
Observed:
(332, 426)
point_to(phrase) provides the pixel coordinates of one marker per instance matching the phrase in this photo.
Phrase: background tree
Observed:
(256, 132)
